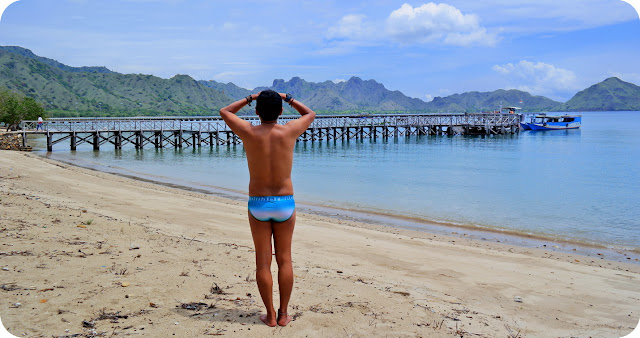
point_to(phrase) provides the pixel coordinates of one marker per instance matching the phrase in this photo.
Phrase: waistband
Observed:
(270, 198)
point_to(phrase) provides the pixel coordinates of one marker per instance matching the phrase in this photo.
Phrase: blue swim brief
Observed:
(272, 208)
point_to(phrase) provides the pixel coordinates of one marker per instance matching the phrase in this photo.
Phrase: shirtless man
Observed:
(269, 148)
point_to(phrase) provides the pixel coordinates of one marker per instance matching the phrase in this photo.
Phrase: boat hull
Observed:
(553, 126)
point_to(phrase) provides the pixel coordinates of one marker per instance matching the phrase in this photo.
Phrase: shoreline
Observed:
(373, 218)
(132, 257)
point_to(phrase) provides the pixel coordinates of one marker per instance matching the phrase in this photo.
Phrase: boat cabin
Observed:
(510, 110)
(544, 118)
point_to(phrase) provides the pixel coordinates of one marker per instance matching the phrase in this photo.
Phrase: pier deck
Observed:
(187, 131)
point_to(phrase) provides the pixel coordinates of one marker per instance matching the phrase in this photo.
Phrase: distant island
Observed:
(97, 91)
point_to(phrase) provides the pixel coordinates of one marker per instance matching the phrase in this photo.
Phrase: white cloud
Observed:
(539, 78)
(352, 26)
(437, 22)
(429, 23)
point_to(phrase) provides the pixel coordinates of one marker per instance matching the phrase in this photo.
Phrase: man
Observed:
(269, 148)
(39, 126)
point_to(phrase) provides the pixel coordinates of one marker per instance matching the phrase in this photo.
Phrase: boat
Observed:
(553, 122)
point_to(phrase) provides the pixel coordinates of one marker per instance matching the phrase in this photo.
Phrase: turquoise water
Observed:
(577, 185)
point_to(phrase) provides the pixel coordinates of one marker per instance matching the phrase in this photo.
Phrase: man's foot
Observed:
(264, 319)
(284, 318)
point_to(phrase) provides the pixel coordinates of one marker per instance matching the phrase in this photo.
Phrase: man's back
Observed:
(269, 149)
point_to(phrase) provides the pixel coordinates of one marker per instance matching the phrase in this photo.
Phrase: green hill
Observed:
(609, 95)
(489, 101)
(228, 89)
(29, 54)
(89, 93)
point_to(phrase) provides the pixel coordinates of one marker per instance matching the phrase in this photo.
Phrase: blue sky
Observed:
(424, 49)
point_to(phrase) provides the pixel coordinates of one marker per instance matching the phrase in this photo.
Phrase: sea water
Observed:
(572, 185)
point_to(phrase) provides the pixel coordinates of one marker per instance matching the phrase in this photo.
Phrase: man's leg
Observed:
(261, 233)
(282, 235)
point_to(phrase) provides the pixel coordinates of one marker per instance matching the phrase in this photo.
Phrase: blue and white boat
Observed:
(552, 122)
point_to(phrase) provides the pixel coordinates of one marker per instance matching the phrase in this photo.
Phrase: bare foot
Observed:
(264, 319)
(284, 318)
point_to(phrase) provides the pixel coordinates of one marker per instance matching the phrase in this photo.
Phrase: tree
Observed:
(31, 109)
(9, 107)
(14, 109)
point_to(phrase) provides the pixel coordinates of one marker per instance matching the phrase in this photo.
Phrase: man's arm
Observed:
(307, 116)
(228, 114)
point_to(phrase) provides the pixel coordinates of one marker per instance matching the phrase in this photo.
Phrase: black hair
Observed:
(269, 105)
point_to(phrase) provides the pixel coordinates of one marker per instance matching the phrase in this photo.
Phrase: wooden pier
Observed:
(178, 132)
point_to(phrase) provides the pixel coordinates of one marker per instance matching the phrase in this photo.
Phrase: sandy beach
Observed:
(87, 253)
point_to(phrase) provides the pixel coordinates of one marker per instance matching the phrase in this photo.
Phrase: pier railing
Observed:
(211, 130)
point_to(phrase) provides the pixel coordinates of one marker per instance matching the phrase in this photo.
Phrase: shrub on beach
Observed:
(15, 108)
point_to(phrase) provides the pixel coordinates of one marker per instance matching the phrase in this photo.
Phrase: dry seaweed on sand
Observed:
(102, 315)
(195, 306)
(216, 290)
(9, 287)
(88, 334)
(218, 332)
(17, 253)
(112, 316)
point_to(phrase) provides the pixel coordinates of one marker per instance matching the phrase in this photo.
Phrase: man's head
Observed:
(269, 105)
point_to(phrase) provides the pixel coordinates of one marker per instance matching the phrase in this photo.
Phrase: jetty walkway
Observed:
(184, 131)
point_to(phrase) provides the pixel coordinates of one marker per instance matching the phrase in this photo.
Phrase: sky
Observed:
(553, 48)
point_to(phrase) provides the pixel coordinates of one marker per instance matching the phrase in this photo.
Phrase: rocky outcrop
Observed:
(11, 141)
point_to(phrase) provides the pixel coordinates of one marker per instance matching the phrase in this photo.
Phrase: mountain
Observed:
(368, 95)
(86, 92)
(609, 95)
(228, 89)
(354, 94)
(489, 101)
(93, 91)
(29, 54)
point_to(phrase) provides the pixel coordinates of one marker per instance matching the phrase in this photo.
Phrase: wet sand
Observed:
(85, 252)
